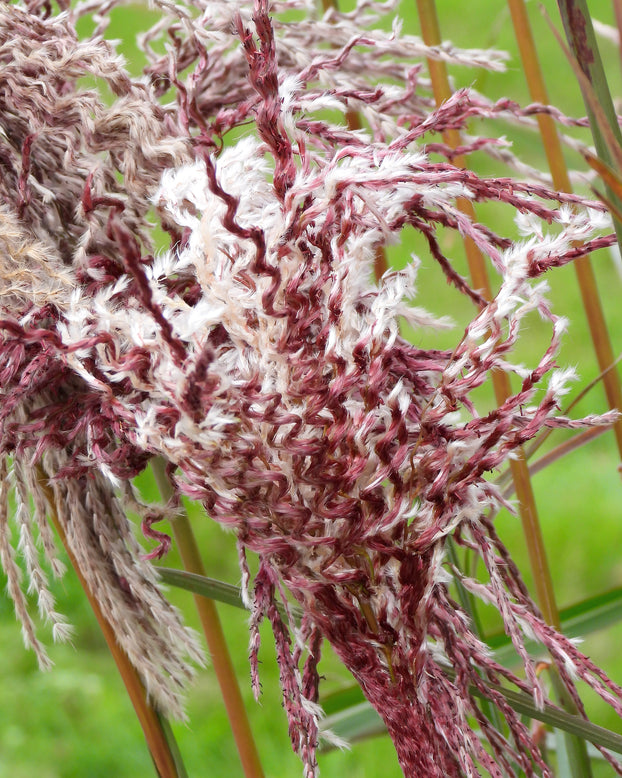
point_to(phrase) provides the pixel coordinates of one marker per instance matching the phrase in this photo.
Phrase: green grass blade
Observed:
(564, 769)
(593, 614)
(213, 589)
(357, 722)
(173, 746)
(200, 584)
(469, 605)
(581, 619)
(592, 79)
(341, 700)
(350, 716)
(361, 720)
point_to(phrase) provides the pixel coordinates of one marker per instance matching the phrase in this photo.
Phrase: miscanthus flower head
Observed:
(262, 360)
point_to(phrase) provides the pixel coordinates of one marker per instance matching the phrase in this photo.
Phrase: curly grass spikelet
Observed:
(260, 358)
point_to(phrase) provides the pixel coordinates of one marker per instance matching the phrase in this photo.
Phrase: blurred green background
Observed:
(77, 722)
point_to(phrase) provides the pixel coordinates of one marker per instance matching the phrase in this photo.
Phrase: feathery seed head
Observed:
(262, 360)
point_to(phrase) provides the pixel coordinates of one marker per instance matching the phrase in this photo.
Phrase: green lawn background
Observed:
(77, 722)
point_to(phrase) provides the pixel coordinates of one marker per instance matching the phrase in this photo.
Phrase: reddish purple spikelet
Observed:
(261, 360)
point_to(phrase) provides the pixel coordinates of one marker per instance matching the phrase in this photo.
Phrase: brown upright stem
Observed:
(561, 181)
(148, 718)
(214, 635)
(527, 505)
(578, 761)
(532, 531)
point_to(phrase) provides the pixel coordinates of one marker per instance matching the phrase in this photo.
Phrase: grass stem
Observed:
(532, 530)
(214, 635)
(430, 31)
(561, 181)
(156, 735)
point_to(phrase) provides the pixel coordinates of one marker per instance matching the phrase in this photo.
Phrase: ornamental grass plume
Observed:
(262, 361)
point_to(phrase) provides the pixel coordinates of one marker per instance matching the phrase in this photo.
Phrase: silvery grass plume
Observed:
(52, 139)
(261, 360)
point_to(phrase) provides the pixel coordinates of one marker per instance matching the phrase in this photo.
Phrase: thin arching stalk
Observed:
(575, 442)
(530, 450)
(214, 635)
